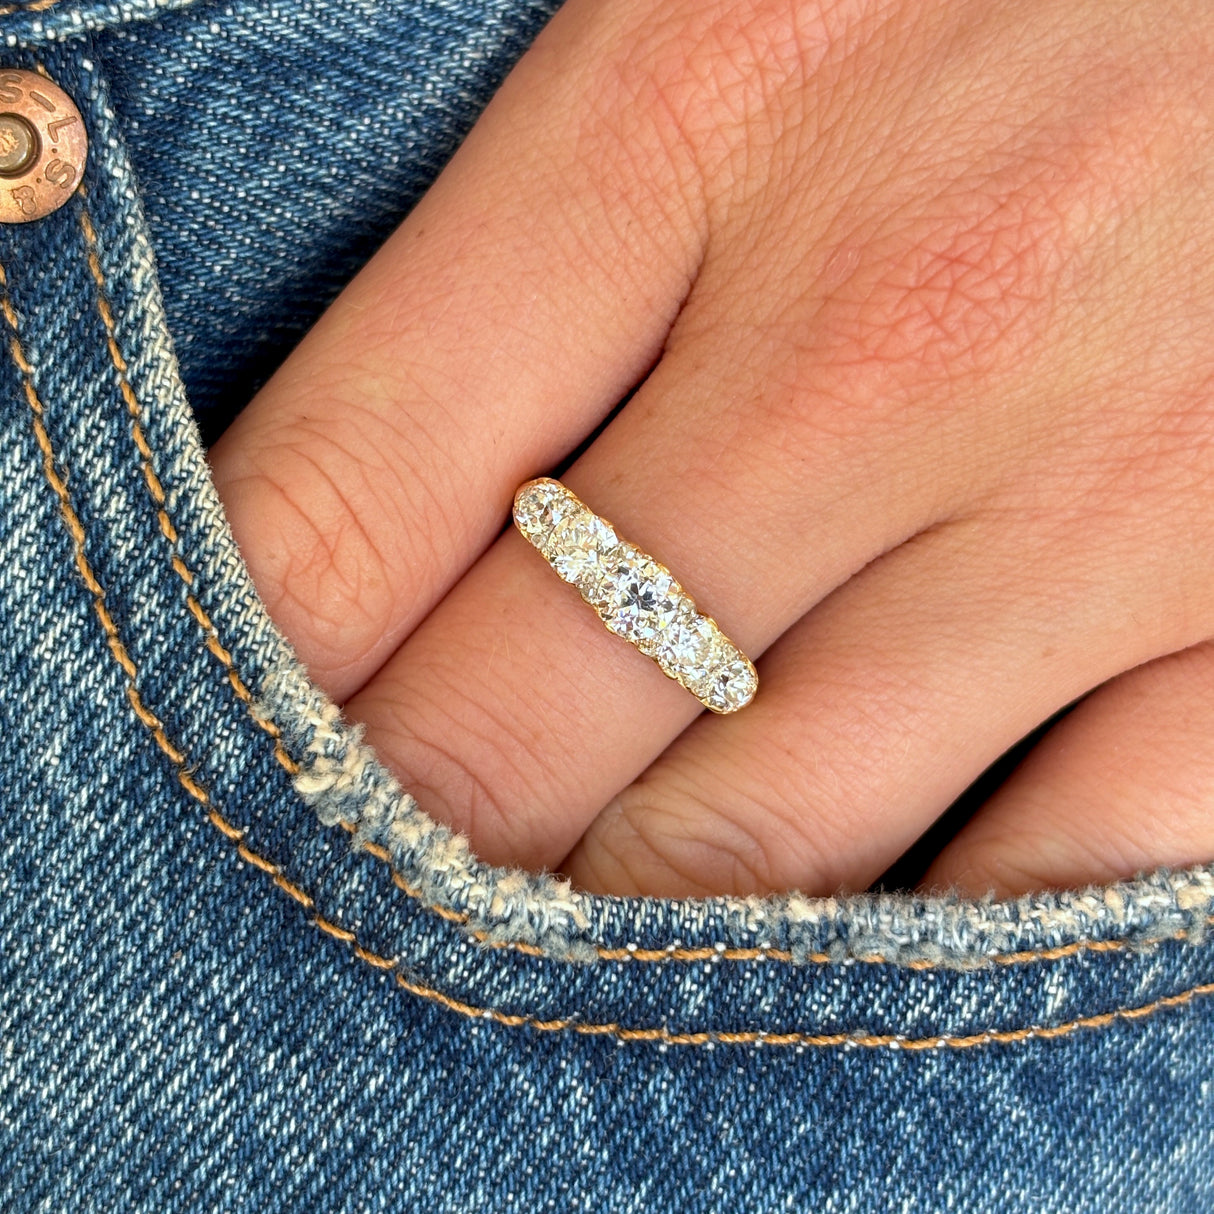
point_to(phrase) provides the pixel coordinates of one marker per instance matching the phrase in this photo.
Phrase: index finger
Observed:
(527, 292)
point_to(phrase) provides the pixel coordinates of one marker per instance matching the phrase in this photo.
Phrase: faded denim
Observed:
(239, 970)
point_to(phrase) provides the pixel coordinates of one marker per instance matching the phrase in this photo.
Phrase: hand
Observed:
(920, 298)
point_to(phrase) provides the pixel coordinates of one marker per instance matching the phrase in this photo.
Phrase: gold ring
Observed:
(634, 595)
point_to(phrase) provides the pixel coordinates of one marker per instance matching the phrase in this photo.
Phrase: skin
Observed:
(919, 300)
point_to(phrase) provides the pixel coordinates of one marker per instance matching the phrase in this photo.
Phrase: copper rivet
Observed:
(43, 144)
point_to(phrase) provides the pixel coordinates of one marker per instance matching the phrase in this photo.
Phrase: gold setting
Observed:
(636, 596)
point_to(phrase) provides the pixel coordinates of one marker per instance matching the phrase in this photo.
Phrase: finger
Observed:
(1124, 783)
(875, 712)
(513, 714)
(780, 445)
(790, 434)
(522, 298)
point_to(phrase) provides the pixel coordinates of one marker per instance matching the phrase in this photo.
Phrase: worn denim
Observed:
(239, 969)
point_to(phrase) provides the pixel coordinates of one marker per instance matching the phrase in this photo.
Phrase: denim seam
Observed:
(120, 654)
(892, 1041)
(167, 528)
(234, 835)
(37, 6)
(76, 530)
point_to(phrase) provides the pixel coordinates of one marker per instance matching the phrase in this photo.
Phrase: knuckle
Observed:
(703, 78)
(682, 845)
(322, 572)
(442, 767)
(469, 758)
(996, 231)
(1008, 860)
(714, 834)
(332, 533)
(962, 290)
(990, 872)
(1133, 464)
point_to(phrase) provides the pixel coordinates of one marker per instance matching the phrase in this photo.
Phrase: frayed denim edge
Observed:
(341, 779)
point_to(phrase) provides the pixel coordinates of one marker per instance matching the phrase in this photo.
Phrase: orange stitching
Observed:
(820, 1040)
(76, 530)
(1025, 956)
(710, 953)
(224, 656)
(156, 489)
(235, 835)
(338, 933)
(37, 6)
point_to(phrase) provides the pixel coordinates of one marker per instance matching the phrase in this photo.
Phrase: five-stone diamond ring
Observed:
(634, 595)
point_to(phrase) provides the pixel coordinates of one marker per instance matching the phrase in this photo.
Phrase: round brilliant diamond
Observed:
(641, 600)
(686, 645)
(580, 550)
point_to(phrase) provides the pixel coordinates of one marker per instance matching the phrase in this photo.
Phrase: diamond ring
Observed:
(634, 595)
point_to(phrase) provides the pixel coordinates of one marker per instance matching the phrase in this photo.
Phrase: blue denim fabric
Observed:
(239, 970)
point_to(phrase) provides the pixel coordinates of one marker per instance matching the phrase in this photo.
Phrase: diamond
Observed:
(580, 550)
(730, 682)
(540, 506)
(640, 598)
(686, 646)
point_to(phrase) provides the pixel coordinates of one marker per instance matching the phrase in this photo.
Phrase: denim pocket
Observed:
(241, 969)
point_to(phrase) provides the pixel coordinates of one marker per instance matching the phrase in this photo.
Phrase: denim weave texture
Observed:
(239, 967)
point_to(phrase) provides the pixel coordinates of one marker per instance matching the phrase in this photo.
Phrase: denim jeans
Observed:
(239, 968)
